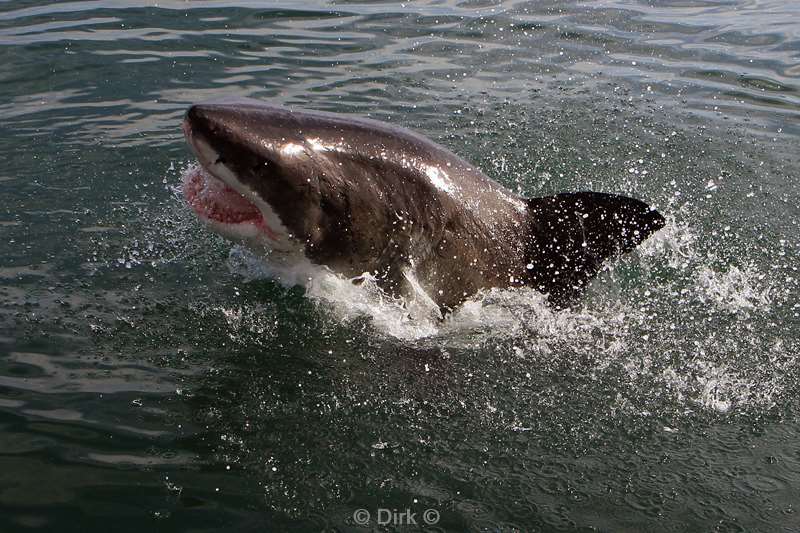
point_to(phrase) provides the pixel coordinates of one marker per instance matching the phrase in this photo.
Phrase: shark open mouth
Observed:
(215, 201)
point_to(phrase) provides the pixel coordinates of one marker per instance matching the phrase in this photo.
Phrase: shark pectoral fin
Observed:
(572, 234)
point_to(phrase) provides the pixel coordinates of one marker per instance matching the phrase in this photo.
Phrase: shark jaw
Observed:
(230, 208)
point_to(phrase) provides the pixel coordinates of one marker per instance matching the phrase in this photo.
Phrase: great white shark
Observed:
(357, 196)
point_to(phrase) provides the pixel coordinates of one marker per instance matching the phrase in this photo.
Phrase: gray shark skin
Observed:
(359, 196)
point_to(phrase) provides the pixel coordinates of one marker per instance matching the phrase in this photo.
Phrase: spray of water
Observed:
(671, 316)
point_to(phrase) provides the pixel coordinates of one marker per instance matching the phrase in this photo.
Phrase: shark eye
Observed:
(219, 160)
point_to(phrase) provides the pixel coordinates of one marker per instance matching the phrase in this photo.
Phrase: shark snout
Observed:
(216, 133)
(197, 125)
(187, 129)
(231, 115)
(201, 118)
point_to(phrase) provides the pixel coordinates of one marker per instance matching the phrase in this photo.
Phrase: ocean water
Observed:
(153, 376)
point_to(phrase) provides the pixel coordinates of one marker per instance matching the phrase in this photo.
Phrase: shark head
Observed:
(316, 183)
(256, 183)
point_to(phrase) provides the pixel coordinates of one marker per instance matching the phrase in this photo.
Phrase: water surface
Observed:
(152, 377)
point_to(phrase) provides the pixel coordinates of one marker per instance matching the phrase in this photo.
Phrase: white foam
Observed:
(496, 313)
(675, 242)
(617, 331)
(414, 319)
(734, 290)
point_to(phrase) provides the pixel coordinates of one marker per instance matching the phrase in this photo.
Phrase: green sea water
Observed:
(154, 378)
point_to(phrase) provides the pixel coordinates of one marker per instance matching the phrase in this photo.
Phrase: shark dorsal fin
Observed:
(572, 234)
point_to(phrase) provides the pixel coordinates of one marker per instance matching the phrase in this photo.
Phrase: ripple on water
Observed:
(144, 376)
